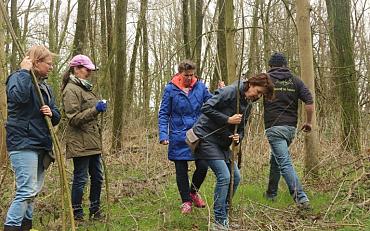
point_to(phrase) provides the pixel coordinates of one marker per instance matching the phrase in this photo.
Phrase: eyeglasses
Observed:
(188, 75)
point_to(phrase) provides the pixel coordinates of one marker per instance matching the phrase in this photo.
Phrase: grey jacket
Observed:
(215, 113)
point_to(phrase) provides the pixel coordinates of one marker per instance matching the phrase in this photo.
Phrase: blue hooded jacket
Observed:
(177, 114)
(26, 127)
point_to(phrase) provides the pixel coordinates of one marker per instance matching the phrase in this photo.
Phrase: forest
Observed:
(137, 46)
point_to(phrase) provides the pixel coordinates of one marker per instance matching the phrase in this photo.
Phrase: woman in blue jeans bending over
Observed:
(27, 136)
(83, 139)
(182, 99)
(216, 124)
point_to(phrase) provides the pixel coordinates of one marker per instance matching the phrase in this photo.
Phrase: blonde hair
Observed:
(39, 53)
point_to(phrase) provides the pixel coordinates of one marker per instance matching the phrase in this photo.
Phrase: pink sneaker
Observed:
(197, 200)
(186, 207)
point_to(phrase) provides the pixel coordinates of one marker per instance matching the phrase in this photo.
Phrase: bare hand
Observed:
(46, 110)
(306, 127)
(235, 138)
(26, 63)
(164, 142)
(235, 119)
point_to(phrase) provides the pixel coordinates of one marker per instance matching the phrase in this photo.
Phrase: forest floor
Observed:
(143, 192)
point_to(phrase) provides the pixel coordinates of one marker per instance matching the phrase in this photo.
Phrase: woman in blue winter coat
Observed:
(183, 97)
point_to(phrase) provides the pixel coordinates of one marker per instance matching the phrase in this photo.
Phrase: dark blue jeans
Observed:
(182, 177)
(84, 166)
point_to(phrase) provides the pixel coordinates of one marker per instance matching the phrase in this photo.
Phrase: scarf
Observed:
(82, 82)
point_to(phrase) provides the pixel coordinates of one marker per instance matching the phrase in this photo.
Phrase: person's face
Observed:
(82, 72)
(43, 67)
(254, 92)
(187, 77)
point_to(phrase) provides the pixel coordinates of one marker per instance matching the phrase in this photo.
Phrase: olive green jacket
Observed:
(83, 131)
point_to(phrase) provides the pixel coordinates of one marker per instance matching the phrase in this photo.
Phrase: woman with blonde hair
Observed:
(27, 136)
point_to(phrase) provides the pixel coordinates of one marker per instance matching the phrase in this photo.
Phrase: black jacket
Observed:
(283, 110)
(215, 113)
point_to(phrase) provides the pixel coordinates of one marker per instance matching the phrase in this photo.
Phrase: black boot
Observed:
(26, 224)
(12, 228)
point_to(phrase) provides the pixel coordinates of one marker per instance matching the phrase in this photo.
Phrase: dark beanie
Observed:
(277, 60)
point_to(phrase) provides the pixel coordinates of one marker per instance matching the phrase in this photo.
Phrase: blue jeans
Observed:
(82, 167)
(221, 169)
(280, 137)
(29, 177)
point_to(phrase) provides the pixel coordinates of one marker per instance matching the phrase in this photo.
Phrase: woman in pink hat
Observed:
(83, 139)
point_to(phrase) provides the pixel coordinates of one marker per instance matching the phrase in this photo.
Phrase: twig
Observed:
(273, 222)
(137, 224)
(259, 228)
(332, 202)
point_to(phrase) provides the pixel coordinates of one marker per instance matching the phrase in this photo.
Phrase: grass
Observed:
(159, 209)
(144, 195)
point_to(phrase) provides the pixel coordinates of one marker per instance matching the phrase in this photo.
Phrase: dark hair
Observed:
(186, 65)
(66, 75)
(65, 78)
(262, 80)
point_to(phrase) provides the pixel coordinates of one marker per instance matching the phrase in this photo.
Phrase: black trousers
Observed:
(182, 177)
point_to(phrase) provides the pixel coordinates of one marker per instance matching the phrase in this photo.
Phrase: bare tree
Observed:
(15, 25)
(307, 73)
(3, 74)
(220, 72)
(120, 74)
(131, 79)
(80, 39)
(185, 24)
(339, 12)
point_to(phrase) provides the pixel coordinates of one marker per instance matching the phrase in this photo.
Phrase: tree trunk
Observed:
(307, 73)
(230, 41)
(339, 12)
(253, 42)
(145, 68)
(3, 110)
(266, 31)
(80, 39)
(52, 21)
(220, 72)
(15, 25)
(103, 82)
(130, 90)
(120, 74)
(198, 34)
(185, 27)
(192, 32)
(110, 60)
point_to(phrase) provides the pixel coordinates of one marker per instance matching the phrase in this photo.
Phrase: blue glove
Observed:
(101, 105)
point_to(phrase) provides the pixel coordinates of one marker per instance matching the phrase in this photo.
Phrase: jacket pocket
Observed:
(91, 138)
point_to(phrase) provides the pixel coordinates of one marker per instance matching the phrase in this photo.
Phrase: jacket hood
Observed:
(280, 73)
(177, 81)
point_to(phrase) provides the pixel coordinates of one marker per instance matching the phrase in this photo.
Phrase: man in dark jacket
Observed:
(280, 117)
(216, 127)
(27, 135)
